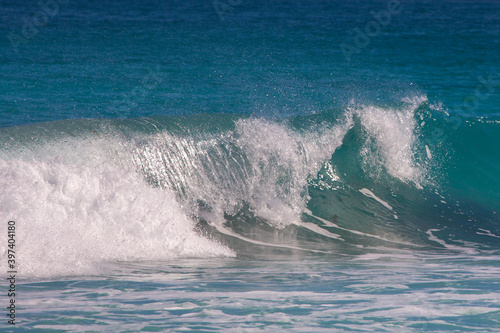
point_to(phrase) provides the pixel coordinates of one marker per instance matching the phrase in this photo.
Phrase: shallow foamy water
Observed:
(385, 293)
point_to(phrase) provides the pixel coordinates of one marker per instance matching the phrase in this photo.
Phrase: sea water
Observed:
(250, 166)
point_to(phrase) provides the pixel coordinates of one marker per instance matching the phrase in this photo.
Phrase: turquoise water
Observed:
(395, 293)
(246, 166)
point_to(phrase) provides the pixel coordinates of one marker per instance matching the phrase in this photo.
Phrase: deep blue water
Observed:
(252, 165)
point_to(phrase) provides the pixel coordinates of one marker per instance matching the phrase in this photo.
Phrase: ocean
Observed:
(247, 166)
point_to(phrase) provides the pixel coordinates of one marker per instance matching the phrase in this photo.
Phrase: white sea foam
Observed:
(370, 194)
(228, 232)
(393, 133)
(390, 295)
(453, 247)
(80, 201)
(356, 232)
(71, 217)
(260, 162)
(278, 190)
(485, 232)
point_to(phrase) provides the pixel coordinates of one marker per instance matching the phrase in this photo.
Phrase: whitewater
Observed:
(150, 203)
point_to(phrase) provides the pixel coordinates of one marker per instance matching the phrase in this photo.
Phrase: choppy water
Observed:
(387, 293)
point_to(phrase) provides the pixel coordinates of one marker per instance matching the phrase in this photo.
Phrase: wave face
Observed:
(363, 179)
